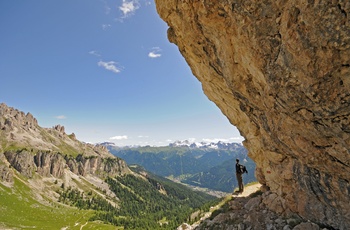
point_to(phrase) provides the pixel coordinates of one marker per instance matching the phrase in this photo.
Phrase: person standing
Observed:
(240, 169)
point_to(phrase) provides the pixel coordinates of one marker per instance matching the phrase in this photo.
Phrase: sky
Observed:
(106, 71)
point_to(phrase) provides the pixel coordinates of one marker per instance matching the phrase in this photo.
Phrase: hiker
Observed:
(240, 169)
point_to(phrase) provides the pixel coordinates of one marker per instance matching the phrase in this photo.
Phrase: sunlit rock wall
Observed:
(280, 72)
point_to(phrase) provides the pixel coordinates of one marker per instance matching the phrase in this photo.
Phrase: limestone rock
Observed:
(50, 164)
(308, 226)
(21, 130)
(59, 128)
(6, 174)
(73, 137)
(72, 165)
(97, 166)
(280, 72)
(29, 149)
(22, 161)
(184, 227)
(252, 213)
(246, 213)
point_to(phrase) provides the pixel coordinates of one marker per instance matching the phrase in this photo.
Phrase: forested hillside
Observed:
(143, 202)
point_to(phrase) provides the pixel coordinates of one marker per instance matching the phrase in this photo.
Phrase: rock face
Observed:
(97, 166)
(30, 149)
(6, 174)
(49, 164)
(22, 162)
(280, 72)
(251, 213)
(20, 130)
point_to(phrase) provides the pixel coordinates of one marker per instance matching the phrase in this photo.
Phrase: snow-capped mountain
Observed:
(220, 145)
(204, 164)
(205, 145)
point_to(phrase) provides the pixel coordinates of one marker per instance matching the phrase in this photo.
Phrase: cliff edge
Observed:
(280, 72)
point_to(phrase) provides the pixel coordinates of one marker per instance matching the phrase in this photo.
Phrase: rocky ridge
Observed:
(279, 70)
(37, 152)
(18, 129)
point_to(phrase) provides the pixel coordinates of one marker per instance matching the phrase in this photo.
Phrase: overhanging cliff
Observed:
(280, 72)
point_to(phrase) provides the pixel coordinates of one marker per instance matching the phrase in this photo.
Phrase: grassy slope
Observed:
(20, 210)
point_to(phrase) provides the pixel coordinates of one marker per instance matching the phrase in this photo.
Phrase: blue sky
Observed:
(105, 70)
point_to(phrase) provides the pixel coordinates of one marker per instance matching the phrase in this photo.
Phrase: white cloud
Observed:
(237, 139)
(215, 140)
(231, 139)
(111, 66)
(155, 53)
(124, 137)
(141, 136)
(129, 7)
(105, 26)
(61, 117)
(191, 139)
(95, 53)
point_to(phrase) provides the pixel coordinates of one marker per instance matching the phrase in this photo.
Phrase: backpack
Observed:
(243, 169)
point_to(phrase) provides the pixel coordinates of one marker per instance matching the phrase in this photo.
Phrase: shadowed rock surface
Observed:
(280, 72)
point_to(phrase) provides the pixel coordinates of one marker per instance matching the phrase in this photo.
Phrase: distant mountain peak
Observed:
(107, 143)
(205, 145)
(220, 145)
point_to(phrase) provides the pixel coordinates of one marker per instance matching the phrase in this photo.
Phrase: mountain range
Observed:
(207, 165)
(50, 180)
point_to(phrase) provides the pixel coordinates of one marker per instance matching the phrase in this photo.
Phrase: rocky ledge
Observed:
(280, 72)
(252, 213)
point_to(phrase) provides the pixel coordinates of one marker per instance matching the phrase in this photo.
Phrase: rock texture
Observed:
(30, 149)
(49, 164)
(22, 162)
(252, 213)
(20, 130)
(280, 72)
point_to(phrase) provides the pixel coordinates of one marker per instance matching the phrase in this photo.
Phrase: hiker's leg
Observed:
(239, 181)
